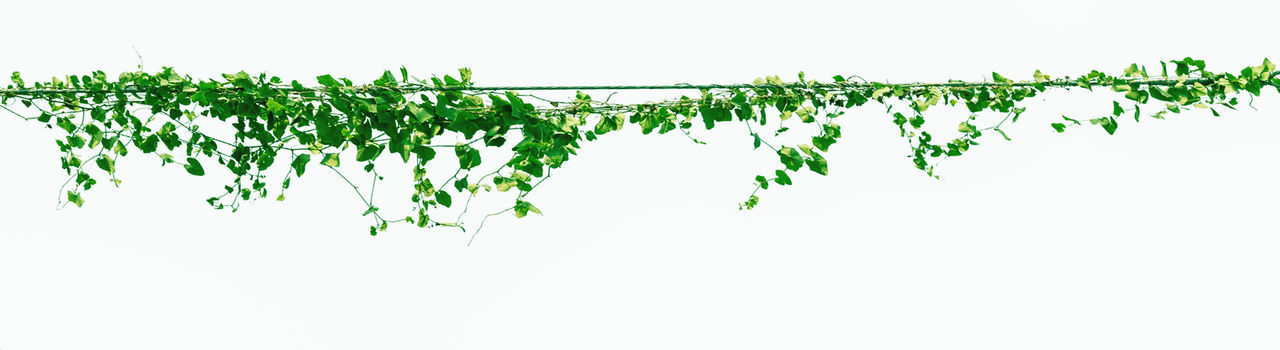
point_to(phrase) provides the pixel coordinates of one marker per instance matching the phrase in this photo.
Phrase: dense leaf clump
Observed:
(248, 124)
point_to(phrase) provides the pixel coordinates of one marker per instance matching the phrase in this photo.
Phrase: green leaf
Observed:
(823, 143)
(369, 152)
(193, 167)
(710, 115)
(300, 163)
(444, 198)
(1160, 94)
(1108, 124)
(523, 208)
(328, 133)
(818, 164)
(876, 94)
(106, 163)
(1140, 96)
(276, 107)
(327, 80)
(1060, 127)
(503, 183)
(67, 125)
(791, 158)
(1132, 70)
(149, 144)
(806, 114)
(965, 127)
(330, 160)
(762, 182)
(1040, 77)
(1006, 136)
(421, 114)
(465, 73)
(468, 157)
(424, 153)
(806, 149)
(781, 177)
(75, 198)
(900, 120)
(1116, 109)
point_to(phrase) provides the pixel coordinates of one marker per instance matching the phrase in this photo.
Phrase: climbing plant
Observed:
(251, 124)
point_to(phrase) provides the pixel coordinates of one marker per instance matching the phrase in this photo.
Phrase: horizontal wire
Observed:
(843, 85)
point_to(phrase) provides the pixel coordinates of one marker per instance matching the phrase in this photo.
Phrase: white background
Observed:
(1162, 236)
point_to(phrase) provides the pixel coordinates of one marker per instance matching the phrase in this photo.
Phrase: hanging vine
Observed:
(251, 124)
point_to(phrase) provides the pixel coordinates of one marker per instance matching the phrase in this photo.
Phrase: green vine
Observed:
(247, 124)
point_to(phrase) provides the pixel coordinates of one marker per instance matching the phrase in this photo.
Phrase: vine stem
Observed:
(357, 189)
(16, 113)
(481, 226)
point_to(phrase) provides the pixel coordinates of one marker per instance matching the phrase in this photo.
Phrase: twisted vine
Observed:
(247, 123)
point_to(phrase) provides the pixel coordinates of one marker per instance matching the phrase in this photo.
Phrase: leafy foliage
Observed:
(246, 123)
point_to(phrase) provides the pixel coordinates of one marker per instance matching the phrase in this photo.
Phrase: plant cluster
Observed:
(250, 124)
